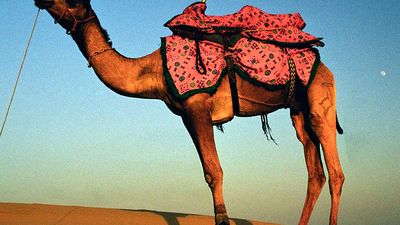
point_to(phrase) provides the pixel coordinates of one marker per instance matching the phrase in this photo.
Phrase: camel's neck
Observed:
(91, 39)
(123, 75)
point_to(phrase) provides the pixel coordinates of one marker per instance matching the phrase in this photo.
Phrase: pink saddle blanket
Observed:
(249, 21)
(261, 54)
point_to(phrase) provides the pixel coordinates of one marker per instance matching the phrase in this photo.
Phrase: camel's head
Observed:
(68, 13)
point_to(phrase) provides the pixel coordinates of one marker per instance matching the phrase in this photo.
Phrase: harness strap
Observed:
(232, 84)
(200, 67)
(292, 82)
(76, 20)
(90, 57)
(231, 75)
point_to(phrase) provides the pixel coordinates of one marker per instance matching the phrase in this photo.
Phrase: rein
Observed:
(19, 73)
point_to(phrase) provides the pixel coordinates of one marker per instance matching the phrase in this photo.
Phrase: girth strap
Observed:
(232, 84)
(228, 41)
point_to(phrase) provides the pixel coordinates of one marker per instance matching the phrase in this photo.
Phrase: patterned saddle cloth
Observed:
(259, 44)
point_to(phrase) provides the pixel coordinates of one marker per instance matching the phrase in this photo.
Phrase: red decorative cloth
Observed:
(261, 54)
(249, 21)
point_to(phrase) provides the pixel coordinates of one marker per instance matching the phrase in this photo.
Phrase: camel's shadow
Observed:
(172, 218)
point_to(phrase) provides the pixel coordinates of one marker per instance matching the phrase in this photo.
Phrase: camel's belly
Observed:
(253, 100)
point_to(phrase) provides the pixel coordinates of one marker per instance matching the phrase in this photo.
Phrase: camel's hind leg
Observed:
(322, 102)
(316, 176)
(199, 124)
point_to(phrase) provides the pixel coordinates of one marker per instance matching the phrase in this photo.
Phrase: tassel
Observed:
(220, 127)
(266, 128)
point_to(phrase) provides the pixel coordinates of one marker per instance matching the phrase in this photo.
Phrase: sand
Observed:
(40, 214)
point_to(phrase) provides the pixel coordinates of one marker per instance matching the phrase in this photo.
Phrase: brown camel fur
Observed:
(313, 114)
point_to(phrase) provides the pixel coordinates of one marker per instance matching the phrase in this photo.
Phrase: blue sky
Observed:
(70, 140)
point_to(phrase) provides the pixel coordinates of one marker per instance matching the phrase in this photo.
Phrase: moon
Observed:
(383, 73)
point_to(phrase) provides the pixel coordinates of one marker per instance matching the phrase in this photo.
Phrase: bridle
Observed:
(76, 21)
(74, 28)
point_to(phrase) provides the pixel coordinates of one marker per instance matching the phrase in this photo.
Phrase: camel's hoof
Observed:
(223, 223)
(221, 219)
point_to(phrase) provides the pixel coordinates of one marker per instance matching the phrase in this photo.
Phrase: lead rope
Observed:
(19, 73)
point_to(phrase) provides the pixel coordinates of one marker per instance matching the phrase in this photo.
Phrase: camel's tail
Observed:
(338, 127)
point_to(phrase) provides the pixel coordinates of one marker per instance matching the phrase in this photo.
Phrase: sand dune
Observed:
(38, 214)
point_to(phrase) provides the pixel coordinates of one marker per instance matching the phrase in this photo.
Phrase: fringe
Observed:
(220, 127)
(266, 128)
(264, 125)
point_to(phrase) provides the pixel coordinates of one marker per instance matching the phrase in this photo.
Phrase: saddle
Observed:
(269, 50)
(249, 22)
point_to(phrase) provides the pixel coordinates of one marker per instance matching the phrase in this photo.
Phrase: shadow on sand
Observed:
(172, 218)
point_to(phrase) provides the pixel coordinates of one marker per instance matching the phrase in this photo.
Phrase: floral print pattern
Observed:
(267, 64)
(250, 21)
(260, 55)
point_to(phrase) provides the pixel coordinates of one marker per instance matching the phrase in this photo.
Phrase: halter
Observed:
(76, 20)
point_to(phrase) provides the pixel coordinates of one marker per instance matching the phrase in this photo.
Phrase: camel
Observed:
(313, 112)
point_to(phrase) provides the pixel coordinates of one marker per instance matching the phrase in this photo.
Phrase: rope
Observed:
(19, 73)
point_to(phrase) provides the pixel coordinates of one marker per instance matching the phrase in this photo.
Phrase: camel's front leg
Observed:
(198, 122)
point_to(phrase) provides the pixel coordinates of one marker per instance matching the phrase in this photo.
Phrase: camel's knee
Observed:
(214, 177)
(317, 180)
(336, 181)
